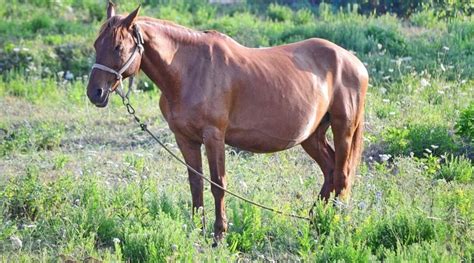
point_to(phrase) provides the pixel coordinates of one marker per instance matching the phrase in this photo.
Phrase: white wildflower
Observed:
(424, 83)
(399, 62)
(445, 48)
(385, 157)
(16, 242)
(379, 46)
(116, 240)
(60, 74)
(442, 67)
(386, 100)
(434, 146)
(68, 75)
(243, 185)
(174, 247)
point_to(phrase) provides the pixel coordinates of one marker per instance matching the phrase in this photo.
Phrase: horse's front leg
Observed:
(192, 155)
(214, 142)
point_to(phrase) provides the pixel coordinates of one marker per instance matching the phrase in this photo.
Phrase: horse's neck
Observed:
(161, 61)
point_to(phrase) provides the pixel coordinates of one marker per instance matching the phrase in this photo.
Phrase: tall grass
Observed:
(81, 184)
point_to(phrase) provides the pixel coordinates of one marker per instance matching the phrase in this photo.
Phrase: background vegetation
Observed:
(79, 183)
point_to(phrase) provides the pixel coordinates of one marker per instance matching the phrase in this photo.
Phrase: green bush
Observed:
(456, 169)
(325, 219)
(465, 124)
(279, 13)
(41, 22)
(247, 231)
(418, 139)
(21, 197)
(303, 16)
(36, 137)
(403, 229)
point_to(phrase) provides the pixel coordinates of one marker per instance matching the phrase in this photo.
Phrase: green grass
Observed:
(78, 182)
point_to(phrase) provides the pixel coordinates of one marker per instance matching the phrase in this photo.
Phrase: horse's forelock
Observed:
(110, 23)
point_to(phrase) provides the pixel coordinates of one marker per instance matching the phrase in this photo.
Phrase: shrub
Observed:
(390, 38)
(40, 22)
(456, 169)
(247, 231)
(21, 196)
(279, 13)
(303, 16)
(325, 218)
(401, 230)
(465, 124)
(417, 138)
(42, 136)
(161, 241)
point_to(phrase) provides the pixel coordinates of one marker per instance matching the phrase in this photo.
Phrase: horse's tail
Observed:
(358, 139)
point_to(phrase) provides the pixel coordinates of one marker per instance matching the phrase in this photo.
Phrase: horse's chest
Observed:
(182, 122)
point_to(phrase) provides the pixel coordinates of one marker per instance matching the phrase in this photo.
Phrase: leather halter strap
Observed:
(138, 38)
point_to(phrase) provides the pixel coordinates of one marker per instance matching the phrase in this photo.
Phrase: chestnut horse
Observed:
(216, 92)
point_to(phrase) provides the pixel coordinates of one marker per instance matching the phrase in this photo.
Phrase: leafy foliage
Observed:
(465, 124)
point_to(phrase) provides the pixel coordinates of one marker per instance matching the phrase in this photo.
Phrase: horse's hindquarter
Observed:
(279, 96)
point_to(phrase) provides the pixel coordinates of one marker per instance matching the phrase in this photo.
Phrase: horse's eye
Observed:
(117, 48)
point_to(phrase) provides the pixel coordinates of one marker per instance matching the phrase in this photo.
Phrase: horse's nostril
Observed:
(98, 93)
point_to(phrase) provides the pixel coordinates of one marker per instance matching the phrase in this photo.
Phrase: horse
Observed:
(215, 91)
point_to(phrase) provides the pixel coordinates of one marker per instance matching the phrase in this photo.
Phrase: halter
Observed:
(138, 38)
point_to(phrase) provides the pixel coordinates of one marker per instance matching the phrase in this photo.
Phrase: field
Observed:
(80, 183)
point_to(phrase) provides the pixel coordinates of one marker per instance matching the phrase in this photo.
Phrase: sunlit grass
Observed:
(79, 183)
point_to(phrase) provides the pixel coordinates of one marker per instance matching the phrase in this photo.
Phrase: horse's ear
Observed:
(110, 10)
(130, 19)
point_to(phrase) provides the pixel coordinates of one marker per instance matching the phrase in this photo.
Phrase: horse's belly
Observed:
(275, 133)
(257, 141)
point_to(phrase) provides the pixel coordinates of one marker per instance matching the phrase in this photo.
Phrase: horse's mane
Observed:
(177, 31)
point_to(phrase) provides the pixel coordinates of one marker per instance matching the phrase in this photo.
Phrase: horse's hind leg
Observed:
(321, 151)
(347, 132)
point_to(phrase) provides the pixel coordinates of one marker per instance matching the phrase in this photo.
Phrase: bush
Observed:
(279, 13)
(247, 231)
(21, 196)
(303, 16)
(417, 138)
(400, 230)
(41, 136)
(465, 124)
(456, 169)
(40, 22)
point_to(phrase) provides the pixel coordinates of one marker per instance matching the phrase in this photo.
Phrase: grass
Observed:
(80, 183)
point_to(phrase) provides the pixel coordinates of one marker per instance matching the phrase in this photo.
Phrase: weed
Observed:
(36, 137)
(247, 231)
(465, 124)
(456, 168)
(402, 229)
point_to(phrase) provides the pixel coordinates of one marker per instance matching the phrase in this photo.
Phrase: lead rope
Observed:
(144, 127)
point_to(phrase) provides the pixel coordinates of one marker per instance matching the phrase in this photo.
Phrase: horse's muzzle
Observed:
(99, 97)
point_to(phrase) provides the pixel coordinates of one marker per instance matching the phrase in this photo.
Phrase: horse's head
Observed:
(118, 54)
